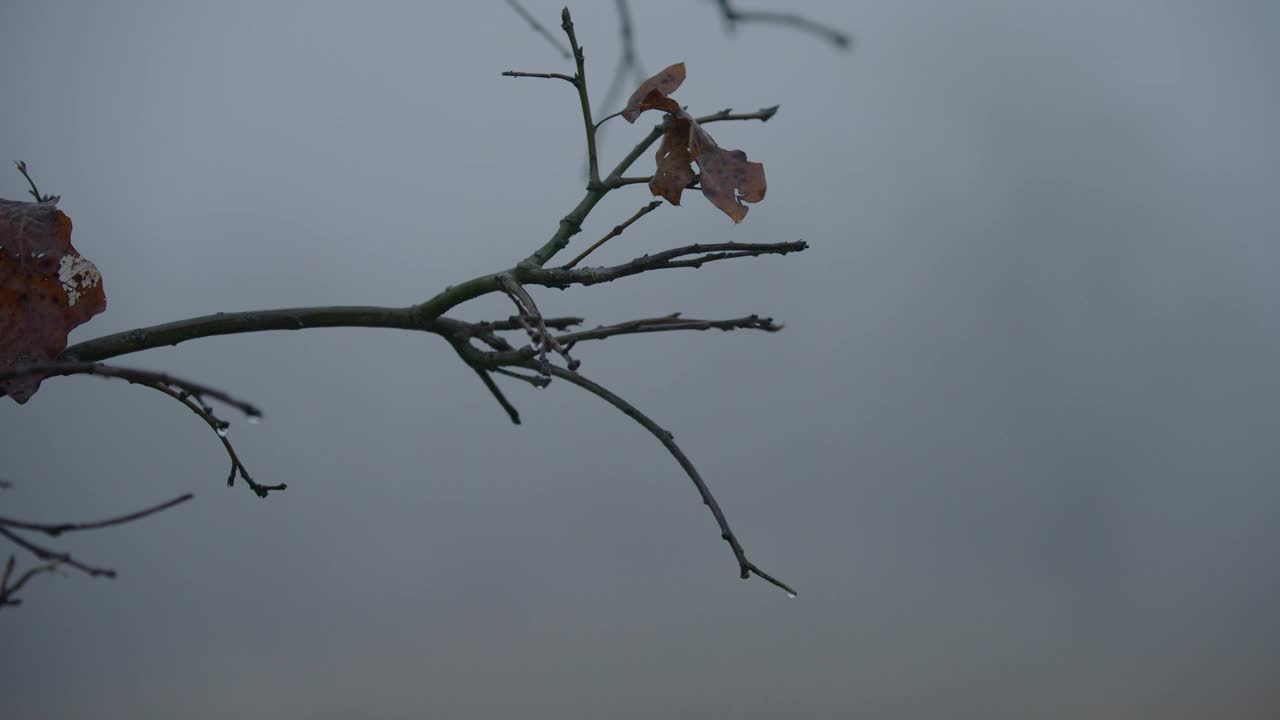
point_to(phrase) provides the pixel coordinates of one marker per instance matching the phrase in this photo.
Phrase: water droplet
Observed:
(791, 595)
(222, 432)
(254, 420)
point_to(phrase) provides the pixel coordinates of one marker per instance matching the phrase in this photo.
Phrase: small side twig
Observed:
(691, 256)
(219, 428)
(44, 553)
(732, 16)
(131, 375)
(547, 76)
(34, 191)
(54, 559)
(628, 63)
(542, 338)
(746, 568)
(539, 28)
(668, 323)
(9, 589)
(593, 165)
(56, 529)
(469, 356)
(616, 231)
(538, 381)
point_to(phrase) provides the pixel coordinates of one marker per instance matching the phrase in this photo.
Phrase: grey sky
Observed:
(1016, 448)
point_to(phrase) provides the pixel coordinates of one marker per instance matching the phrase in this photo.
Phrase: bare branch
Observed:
(733, 16)
(43, 553)
(468, 354)
(34, 191)
(628, 61)
(548, 76)
(616, 231)
(745, 567)
(8, 590)
(763, 115)
(539, 334)
(56, 529)
(54, 559)
(143, 377)
(669, 323)
(566, 22)
(687, 256)
(219, 428)
(538, 381)
(538, 28)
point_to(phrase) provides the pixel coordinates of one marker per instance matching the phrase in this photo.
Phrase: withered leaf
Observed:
(46, 289)
(675, 169)
(652, 93)
(728, 178)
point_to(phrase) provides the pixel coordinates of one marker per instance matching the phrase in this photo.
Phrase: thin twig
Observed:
(627, 61)
(538, 381)
(669, 323)
(745, 567)
(537, 26)
(219, 428)
(549, 76)
(733, 16)
(616, 231)
(487, 379)
(606, 118)
(687, 256)
(593, 165)
(43, 553)
(538, 332)
(763, 115)
(56, 529)
(131, 375)
(35, 191)
(468, 354)
(7, 590)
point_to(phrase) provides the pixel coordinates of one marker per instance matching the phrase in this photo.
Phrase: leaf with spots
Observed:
(728, 178)
(652, 93)
(46, 289)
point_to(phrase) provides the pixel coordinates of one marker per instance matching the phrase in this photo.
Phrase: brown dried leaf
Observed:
(728, 178)
(652, 93)
(46, 289)
(675, 169)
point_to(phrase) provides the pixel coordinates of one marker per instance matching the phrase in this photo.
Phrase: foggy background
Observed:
(1016, 448)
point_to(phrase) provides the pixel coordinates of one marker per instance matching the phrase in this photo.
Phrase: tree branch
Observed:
(538, 28)
(579, 59)
(8, 590)
(669, 323)
(219, 428)
(43, 553)
(547, 76)
(687, 256)
(745, 567)
(616, 231)
(56, 529)
(141, 377)
(733, 16)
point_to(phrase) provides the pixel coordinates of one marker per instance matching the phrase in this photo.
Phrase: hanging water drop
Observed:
(791, 595)
(222, 432)
(254, 420)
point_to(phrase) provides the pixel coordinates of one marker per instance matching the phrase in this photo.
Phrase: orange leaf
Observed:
(675, 170)
(728, 178)
(652, 93)
(46, 289)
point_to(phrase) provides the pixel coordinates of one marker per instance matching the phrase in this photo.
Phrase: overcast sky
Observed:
(1016, 448)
